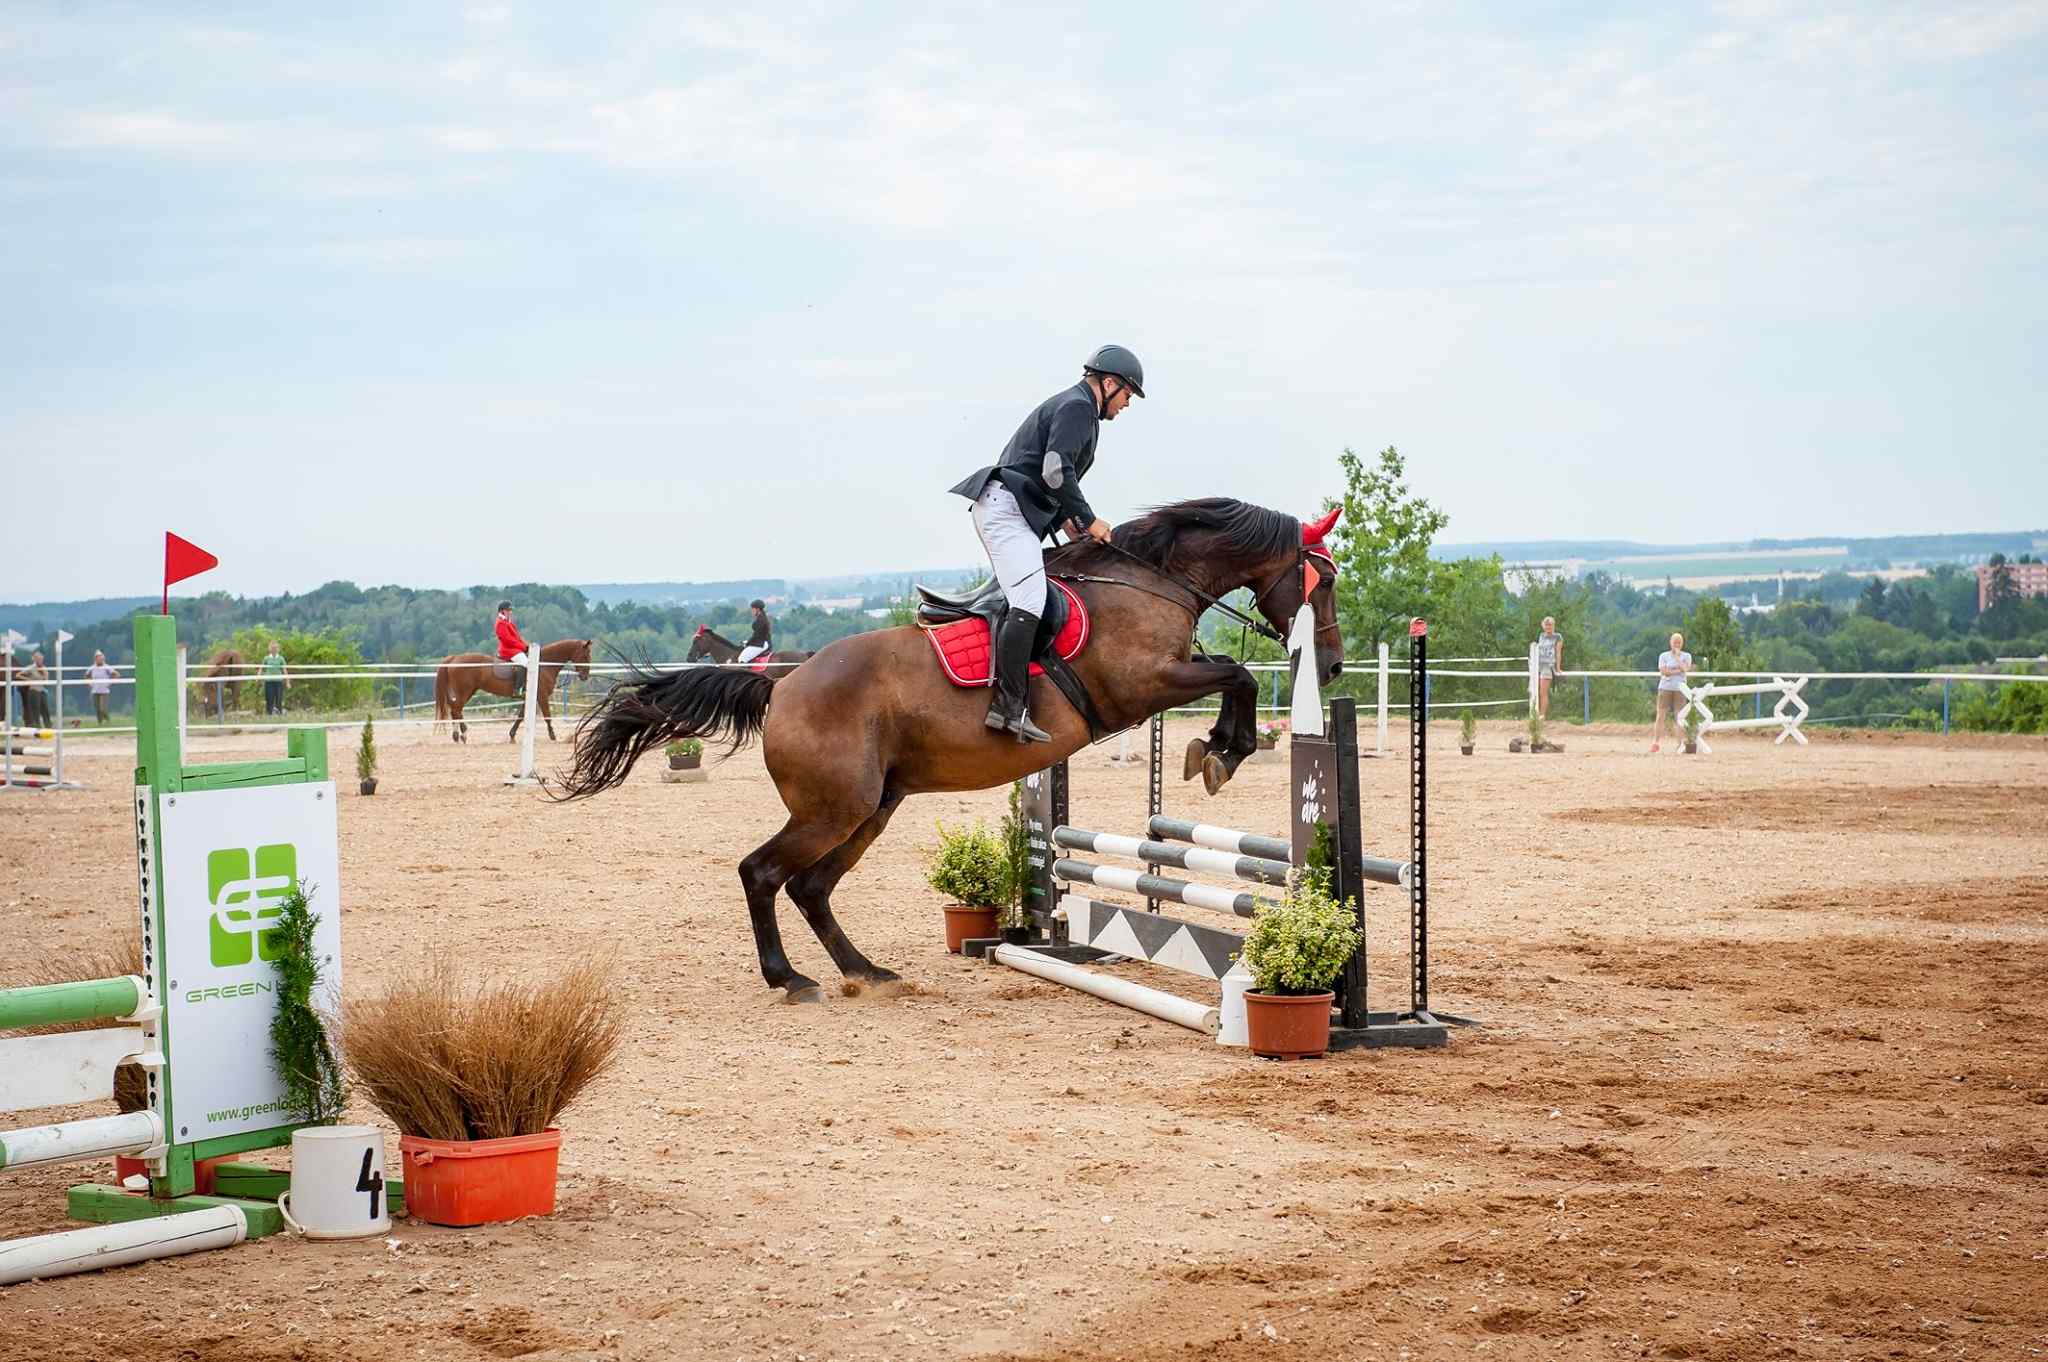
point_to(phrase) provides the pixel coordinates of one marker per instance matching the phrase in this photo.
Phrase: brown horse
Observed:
(226, 671)
(870, 719)
(462, 675)
(709, 643)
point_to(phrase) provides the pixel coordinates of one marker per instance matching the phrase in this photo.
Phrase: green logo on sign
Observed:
(245, 892)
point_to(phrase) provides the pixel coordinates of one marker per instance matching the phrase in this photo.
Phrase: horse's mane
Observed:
(1242, 532)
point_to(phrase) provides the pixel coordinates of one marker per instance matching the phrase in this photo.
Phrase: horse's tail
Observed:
(650, 708)
(442, 702)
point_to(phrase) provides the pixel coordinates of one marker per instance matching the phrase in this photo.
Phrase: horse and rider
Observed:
(462, 675)
(872, 719)
(707, 644)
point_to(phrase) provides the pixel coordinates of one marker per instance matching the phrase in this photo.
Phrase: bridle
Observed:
(1309, 580)
(1204, 601)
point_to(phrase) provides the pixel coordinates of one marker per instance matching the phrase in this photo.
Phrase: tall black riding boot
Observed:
(1011, 658)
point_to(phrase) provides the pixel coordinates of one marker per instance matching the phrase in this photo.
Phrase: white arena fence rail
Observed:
(1738, 684)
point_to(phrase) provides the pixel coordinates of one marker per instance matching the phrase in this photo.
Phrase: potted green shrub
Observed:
(1468, 732)
(685, 754)
(972, 870)
(1692, 732)
(1295, 951)
(366, 757)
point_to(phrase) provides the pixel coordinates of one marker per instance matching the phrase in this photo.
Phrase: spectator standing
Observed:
(274, 680)
(1549, 662)
(1672, 668)
(35, 695)
(100, 683)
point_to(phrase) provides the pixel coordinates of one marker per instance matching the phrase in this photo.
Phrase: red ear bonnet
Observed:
(1312, 533)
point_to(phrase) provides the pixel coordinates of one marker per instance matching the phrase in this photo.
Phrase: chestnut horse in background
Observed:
(871, 719)
(226, 672)
(462, 675)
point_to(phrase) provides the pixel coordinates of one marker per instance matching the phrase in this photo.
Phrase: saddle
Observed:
(507, 671)
(960, 627)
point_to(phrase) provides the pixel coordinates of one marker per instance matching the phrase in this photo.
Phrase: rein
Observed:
(1206, 601)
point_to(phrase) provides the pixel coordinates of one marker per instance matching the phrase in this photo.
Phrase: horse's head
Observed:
(700, 646)
(1305, 576)
(1221, 545)
(581, 657)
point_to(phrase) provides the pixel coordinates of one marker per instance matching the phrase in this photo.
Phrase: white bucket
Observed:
(1236, 1029)
(337, 1183)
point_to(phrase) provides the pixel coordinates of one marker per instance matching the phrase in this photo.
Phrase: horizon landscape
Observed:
(1698, 565)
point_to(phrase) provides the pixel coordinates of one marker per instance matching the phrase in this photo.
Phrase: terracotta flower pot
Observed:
(685, 762)
(478, 1182)
(1289, 1026)
(1466, 748)
(964, 923)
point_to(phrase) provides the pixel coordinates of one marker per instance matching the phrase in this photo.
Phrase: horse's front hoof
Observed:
(1198, 755)
(803, 993)
(1214, 774)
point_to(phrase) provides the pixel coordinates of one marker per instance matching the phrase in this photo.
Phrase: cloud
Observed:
(150, 131)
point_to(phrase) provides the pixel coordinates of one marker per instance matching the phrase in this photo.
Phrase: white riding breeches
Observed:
(1013, 550)
(751, 651)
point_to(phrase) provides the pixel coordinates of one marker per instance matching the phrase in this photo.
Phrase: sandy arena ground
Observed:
(1764, 1074)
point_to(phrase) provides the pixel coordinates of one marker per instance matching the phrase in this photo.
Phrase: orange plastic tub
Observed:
(476, 1182)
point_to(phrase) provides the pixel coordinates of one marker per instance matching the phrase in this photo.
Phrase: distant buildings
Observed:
(2029, 579)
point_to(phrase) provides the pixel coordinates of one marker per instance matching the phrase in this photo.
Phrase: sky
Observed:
(616, 292)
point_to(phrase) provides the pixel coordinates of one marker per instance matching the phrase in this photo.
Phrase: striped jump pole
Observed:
(1160, 887)
(1221, 839)
(1201, 860)
(1378, 869)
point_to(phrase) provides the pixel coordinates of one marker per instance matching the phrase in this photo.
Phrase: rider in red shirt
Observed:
(511, 647)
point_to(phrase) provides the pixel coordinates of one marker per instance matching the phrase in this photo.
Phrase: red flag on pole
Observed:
(182, 559)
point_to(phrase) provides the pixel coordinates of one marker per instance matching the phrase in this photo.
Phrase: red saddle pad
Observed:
(963, 647)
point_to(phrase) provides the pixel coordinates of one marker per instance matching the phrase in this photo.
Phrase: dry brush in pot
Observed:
(455, 1053)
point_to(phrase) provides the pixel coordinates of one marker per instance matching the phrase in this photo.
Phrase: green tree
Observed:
(1382, 550)
(1713, 632)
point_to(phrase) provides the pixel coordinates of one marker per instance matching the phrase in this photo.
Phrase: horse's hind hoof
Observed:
(1214, 774)
(1197, 757)
(809, 994)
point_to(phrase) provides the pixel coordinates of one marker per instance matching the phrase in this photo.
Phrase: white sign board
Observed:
(229, 859)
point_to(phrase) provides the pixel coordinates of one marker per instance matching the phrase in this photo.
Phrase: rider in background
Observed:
(758, 642)
(511, 647)
(1031, 490)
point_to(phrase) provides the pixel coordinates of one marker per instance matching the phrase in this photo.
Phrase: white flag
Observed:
(64, 638)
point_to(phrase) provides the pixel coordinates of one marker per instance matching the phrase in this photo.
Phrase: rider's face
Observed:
(1118, 399)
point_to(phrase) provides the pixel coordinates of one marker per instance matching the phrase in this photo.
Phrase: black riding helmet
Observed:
(757, 605)
(504, 605)
(1117, 362)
